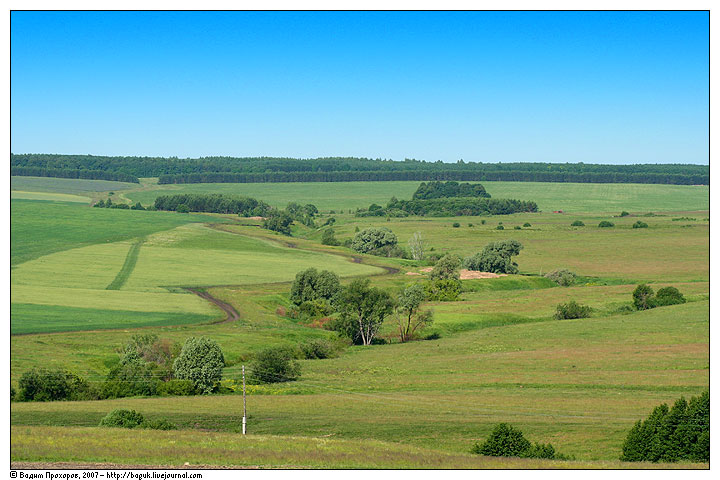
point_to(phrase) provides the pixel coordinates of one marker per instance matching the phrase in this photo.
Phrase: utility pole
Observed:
(244, 405)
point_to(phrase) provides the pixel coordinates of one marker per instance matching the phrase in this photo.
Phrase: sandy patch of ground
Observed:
(464, 274)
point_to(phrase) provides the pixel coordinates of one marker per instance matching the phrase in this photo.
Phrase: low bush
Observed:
(640, 224)
(499, 227)
(158, 424)
(562, 277)
(570, 310)
(624, 213)
(316, 349)
(605, 224)
(669, 296)
(517, 227)
(177, 387)
(456, 225)
(274, 365)
(121, 418)
(526, 225)
(41, 385)
(482, 222)
(577, 223)
(506, 441)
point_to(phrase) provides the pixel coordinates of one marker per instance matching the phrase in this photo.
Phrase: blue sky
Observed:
(594, 87)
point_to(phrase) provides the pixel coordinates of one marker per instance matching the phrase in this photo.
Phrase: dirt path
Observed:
(232, 314)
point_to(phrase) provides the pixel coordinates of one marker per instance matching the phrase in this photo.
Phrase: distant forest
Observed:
(344, 169)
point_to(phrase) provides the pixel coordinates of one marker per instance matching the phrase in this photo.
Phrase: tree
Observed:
(409, 316)
(363, 310)
(328, 237)
(444, 284)
(447, 268)
(571, 310)
(201, 360)
(417, 246)
(274, 365)
(373, 239)
(643, 297)
(278, 221)
(496, 257)
(504, 441)
(311, 285)
(669, 296)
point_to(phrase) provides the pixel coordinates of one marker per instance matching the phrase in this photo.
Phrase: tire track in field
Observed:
(127, 267)
(232, 314)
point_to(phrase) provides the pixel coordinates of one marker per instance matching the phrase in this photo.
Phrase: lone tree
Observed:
(362, 310)
(444, 284)
(643, 297)
(312, 285)
(409, 316)
(200, 361)
(372, 239)
(417, 246)
(496, 257)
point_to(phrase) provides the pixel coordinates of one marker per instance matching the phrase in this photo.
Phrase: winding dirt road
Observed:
(232, 314)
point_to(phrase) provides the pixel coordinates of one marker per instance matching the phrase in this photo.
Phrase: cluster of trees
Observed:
(644, 297)
(449, 189)
(147, 366)
(73, 173)
(672, 434)
(213, 203)
(124, 206)
(507, 441)
(359, 309)
(496, 257)
(449, 207)
(377, 241)
(273, 169)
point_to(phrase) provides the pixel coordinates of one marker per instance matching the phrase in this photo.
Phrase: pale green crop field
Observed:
(571, 197)
(66, 185)
(50, 197)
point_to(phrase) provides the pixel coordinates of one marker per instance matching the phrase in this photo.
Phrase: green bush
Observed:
(482, 222)
(201, 361)
(624, 213)
(316, 348)
(328, 237)
(158, 424)
(506, 441)
(640, 224)
(669, 296)
(499, 227)
(121, 418)
(526, 225)
(672, 434)
(456, 225)
(443, 290)
(176, 387)
(371, 239)
(41, 385)
(274, 365)
(605, 224)
(562, 277)
(577, 223)
(643, 297)
(12, 393)
(570, 310)
(311, 285)
(517, 227)
(496, 257)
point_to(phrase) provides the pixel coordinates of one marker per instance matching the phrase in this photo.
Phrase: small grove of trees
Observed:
(449, 189)
(496, 257)
(278, 221)
(507, 441)
(313, 292)
(672, 434)
(408, 314)
(377, 241)
(43, 385)
(448, 207)
(213, 203)
(644, 297)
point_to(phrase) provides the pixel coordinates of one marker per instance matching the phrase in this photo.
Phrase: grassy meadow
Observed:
(85, 280)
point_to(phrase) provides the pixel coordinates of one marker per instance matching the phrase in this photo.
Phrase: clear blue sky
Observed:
(607, 87)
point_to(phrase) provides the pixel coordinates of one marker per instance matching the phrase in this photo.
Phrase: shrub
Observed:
(672, 434)
(121, 418)
(176, 387)
(562, 277)
(328, 237)
(643, 297)
(570, 310)
(640, 224)
(274, 365)
(605, 224)
(447, 290)
(41, 385)
(158, 424)
(496, 257)
(447, 267)
(526, 225)
(499, 227)
(201, 361)
(470, 224)
(316, 348)
(456, 225)
(12, 393)
(669, 296)
(517, 227)
(371, 239)
(577, 223)
(482, 222)
(182, 208)
(624, 213)
(506, 441)
(310, 285)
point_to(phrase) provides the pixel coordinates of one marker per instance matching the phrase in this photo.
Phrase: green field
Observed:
(571, 197)
(75, 186)
(498, 354)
